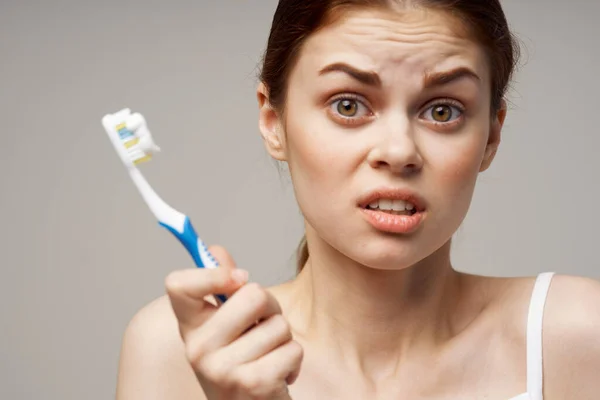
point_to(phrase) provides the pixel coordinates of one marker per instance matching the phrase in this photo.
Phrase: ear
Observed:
(270, 125)
(494, 138)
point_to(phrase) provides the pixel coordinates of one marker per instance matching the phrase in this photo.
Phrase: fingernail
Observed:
(239, 275)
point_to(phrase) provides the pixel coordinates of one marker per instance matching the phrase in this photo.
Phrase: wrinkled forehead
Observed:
(407, 42)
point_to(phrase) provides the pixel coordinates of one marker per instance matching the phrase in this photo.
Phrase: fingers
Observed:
(249, 305)
(258, 341)
(282, 362)
(245, 346)
(226, 262)
(223, 257)
(271, 372)
(188, 288)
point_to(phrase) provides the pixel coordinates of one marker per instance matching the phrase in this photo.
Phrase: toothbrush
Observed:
(133, 142)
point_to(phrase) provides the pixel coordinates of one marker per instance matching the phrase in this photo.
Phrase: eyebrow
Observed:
(369, 78)
(430, 79)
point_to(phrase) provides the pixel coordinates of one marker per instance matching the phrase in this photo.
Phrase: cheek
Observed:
(456, 166)
(315, 157)
(319, 154)
(324, 162)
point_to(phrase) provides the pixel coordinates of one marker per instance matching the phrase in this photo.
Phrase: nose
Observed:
(396, 149)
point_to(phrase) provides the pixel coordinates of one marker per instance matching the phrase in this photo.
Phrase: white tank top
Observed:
(534, 338)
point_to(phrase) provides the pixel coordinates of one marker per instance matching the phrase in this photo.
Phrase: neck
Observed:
(373, 318)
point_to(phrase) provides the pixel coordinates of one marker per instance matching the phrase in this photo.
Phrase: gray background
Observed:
(80, 251)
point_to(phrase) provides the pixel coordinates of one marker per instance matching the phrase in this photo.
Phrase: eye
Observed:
(348, 107)
(443, 112)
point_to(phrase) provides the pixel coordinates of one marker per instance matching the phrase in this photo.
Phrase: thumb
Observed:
(222, 256)
(227, 262)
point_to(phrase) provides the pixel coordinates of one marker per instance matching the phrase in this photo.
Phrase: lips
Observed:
(406, 222)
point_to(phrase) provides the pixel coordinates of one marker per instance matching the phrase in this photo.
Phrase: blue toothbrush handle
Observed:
(197, 249)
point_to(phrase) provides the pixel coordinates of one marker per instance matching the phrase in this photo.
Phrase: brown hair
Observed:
(295, 20)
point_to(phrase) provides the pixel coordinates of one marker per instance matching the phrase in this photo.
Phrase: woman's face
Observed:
(387, 124)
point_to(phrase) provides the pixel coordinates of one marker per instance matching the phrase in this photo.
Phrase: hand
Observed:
(242, 350)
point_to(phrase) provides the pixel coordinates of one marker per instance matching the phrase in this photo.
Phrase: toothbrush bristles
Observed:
(132, 143)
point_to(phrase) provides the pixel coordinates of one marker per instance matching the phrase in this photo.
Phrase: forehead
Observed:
(388, 41)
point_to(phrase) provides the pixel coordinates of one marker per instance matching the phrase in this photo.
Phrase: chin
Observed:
(389, 261)
(389, 253)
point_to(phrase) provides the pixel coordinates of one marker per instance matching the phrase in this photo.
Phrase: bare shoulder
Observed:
(571, 338)
(152, 364)
(571, 330)
(570, 334)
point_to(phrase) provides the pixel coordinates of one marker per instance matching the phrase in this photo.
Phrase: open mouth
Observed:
(393, 210)
(394, 207)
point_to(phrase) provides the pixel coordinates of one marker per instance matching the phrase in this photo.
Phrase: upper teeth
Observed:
(396, 205)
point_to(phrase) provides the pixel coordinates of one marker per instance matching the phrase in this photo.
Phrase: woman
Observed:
(386, 112)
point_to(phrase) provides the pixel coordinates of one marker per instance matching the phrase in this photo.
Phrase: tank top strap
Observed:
(535, 320)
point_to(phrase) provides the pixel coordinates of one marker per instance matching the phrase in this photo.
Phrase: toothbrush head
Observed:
(130, 136)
